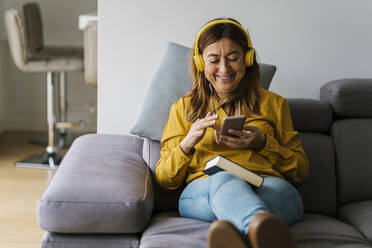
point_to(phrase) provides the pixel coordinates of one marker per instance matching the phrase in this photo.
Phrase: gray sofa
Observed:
(104, 193)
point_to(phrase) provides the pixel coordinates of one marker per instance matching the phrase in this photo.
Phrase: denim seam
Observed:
(209, 200)
(294, 193)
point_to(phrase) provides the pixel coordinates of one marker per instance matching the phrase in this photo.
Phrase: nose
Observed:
(224, 66)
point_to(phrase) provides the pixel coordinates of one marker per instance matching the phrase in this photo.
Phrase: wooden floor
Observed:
(19, 190)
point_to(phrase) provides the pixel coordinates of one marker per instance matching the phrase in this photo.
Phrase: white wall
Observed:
(26, 93)
(311, 42)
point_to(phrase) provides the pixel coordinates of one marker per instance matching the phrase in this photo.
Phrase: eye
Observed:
(233, 59)
(213, 61)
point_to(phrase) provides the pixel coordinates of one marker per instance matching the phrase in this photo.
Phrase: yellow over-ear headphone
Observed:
(198, 58)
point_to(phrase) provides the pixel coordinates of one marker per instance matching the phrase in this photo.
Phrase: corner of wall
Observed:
(4, 78)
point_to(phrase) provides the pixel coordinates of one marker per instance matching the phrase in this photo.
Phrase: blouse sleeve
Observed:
(285, 150)
(172, 167)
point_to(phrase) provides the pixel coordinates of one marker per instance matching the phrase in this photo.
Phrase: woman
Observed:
(227, 82)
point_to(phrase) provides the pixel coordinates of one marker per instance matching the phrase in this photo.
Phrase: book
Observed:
(219, 163)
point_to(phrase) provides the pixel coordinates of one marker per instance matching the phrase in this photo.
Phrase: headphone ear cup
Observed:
(249, 56)
(199, 62)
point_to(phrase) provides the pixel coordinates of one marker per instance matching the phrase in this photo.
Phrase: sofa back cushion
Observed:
(313, 119)
(351, 100)
(353, 142)
(319, 190)
(309, 115)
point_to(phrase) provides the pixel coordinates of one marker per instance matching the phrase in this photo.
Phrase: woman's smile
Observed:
(226, 77)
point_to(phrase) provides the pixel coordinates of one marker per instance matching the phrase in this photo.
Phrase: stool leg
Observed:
(63, 96)
(62, 108)
(51, 148)
(50, 159)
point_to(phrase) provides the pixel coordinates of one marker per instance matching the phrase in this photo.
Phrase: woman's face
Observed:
(224, 65)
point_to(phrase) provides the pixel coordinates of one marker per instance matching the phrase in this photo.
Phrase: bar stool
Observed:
(37, 50)
(31, 56)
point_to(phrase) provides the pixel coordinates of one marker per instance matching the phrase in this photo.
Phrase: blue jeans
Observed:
(224, 196)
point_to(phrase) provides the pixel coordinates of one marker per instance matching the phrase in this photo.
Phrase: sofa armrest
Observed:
(102, 186)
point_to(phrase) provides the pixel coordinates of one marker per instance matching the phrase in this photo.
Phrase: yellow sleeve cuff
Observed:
(271, 146)
(184, 157)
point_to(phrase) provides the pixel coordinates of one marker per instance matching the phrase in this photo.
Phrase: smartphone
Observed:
(232, 122)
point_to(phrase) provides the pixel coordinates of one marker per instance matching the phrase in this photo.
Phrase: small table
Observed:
(84, 19)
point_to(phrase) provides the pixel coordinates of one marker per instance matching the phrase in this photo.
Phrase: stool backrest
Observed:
(33, 27)
(16, 38)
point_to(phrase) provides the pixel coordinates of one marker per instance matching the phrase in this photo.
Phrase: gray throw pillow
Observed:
(170, 82)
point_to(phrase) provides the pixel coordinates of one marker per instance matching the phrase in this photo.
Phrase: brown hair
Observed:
(247, 91)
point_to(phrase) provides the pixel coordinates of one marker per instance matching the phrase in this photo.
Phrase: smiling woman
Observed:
(226, 75)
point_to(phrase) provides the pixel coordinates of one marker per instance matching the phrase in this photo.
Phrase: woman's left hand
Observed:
(250, 137)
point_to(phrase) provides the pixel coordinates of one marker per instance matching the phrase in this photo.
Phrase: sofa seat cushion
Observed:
(321, 231)
(358, 214)
(102, 186)
(167, 229)
(59, 240)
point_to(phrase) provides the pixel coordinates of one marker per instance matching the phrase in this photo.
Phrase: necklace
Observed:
(214, 109)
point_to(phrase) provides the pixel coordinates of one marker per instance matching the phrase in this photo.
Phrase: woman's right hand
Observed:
(197, 132)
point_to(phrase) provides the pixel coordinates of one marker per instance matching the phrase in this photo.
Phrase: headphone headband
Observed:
(215, 22)
(198, 59)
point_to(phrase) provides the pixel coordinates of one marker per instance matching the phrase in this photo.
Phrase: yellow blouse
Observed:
(282, 156)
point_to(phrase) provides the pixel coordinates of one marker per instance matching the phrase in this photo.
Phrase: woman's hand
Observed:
(197, 132)
(250, 138)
